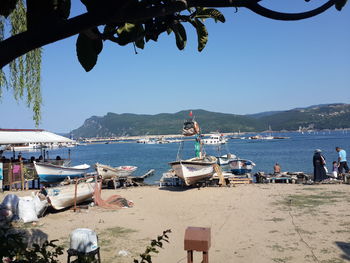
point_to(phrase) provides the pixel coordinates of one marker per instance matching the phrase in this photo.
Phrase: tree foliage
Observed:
(14, 248)
(24, 73)
(32, 24)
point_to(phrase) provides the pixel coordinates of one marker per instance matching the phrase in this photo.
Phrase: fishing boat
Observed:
(50, 173)
(195, 169)
(63, 196)
(225, 159)
(215, 139)
(241, 166)
(108, 172)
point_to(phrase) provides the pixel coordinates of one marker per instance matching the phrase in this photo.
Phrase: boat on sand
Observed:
(241, 166)
(63, 196)
(108, 172)
(195, 169)
(51, 173)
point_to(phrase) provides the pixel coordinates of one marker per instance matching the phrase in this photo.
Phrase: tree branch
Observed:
(46, 33)
(260, 10)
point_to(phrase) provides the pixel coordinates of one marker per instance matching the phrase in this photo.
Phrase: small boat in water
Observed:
(195, 169)
(241, 166)
(215, 139)
(63, 196)
(50, 173)
(108, 172)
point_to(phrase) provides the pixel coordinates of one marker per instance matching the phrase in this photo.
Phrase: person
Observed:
(319, 163)
(276, 168)
(335, 169)
(342, 160)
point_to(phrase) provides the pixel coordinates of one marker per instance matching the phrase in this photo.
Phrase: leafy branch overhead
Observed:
(28, 25)
(144, 31)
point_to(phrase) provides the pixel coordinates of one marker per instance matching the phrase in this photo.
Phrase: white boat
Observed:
(108, 172)
(241, 166)
(195, 169)
(224, 160)
(63, 196)
(50, 173)
(147, 141)
(215, 139)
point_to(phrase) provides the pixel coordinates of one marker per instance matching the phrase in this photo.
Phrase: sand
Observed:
(249, 223)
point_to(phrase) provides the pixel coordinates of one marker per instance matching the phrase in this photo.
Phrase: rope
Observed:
(180, 149)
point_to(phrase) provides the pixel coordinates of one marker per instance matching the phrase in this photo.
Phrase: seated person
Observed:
(276, 168)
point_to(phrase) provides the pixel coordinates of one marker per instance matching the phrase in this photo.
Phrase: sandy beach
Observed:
(249, 223)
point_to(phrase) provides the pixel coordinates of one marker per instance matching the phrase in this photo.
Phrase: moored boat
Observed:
(195, 169)
(63, 196)
(108, 172)
(215, 139)
(50, 173)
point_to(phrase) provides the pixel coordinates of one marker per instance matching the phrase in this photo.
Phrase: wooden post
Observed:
(22, 174)
(10, 175)
(75, 194)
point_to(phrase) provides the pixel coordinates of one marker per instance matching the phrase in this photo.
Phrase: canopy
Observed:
(17, 136)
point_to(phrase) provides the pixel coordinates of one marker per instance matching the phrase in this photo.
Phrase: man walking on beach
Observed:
(342, 160)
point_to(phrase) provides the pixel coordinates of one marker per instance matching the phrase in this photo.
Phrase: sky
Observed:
(251, 64)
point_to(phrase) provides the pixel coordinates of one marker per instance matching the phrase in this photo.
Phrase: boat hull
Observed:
(49, 173)
(108, 172)
(193, 171)
(241, 166)
(63, 196)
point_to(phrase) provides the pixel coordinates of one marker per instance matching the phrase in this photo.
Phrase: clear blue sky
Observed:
(250, 64)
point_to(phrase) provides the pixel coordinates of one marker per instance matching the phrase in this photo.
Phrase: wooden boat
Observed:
(195, 169)
(108, 172)
(63, 196)
(50, 173)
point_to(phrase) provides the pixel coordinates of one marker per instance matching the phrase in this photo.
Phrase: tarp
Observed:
(30, 136)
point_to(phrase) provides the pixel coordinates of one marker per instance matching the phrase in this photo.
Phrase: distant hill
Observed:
(329, 116)
(319, 117)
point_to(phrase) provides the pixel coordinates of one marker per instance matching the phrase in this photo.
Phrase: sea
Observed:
(293, 154)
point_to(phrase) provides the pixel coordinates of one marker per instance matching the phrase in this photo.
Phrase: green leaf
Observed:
(204, 13)
(88, 50)
(202, 33)
(339, 4)
(180, 35)
(140, 43)
(7, 6)
(64, 8)
(110, 29)
(129, 33)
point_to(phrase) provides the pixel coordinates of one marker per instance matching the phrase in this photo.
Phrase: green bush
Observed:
(14, 248)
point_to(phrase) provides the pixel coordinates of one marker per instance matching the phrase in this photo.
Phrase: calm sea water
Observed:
(294, 154)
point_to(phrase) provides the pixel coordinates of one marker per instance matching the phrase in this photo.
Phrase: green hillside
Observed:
(319, 117)
(330, 116)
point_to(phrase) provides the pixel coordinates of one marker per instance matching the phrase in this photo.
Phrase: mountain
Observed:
(319, 117)
(330, 116)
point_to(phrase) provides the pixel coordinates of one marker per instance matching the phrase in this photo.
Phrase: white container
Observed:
(83, 240)
(26, 210)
